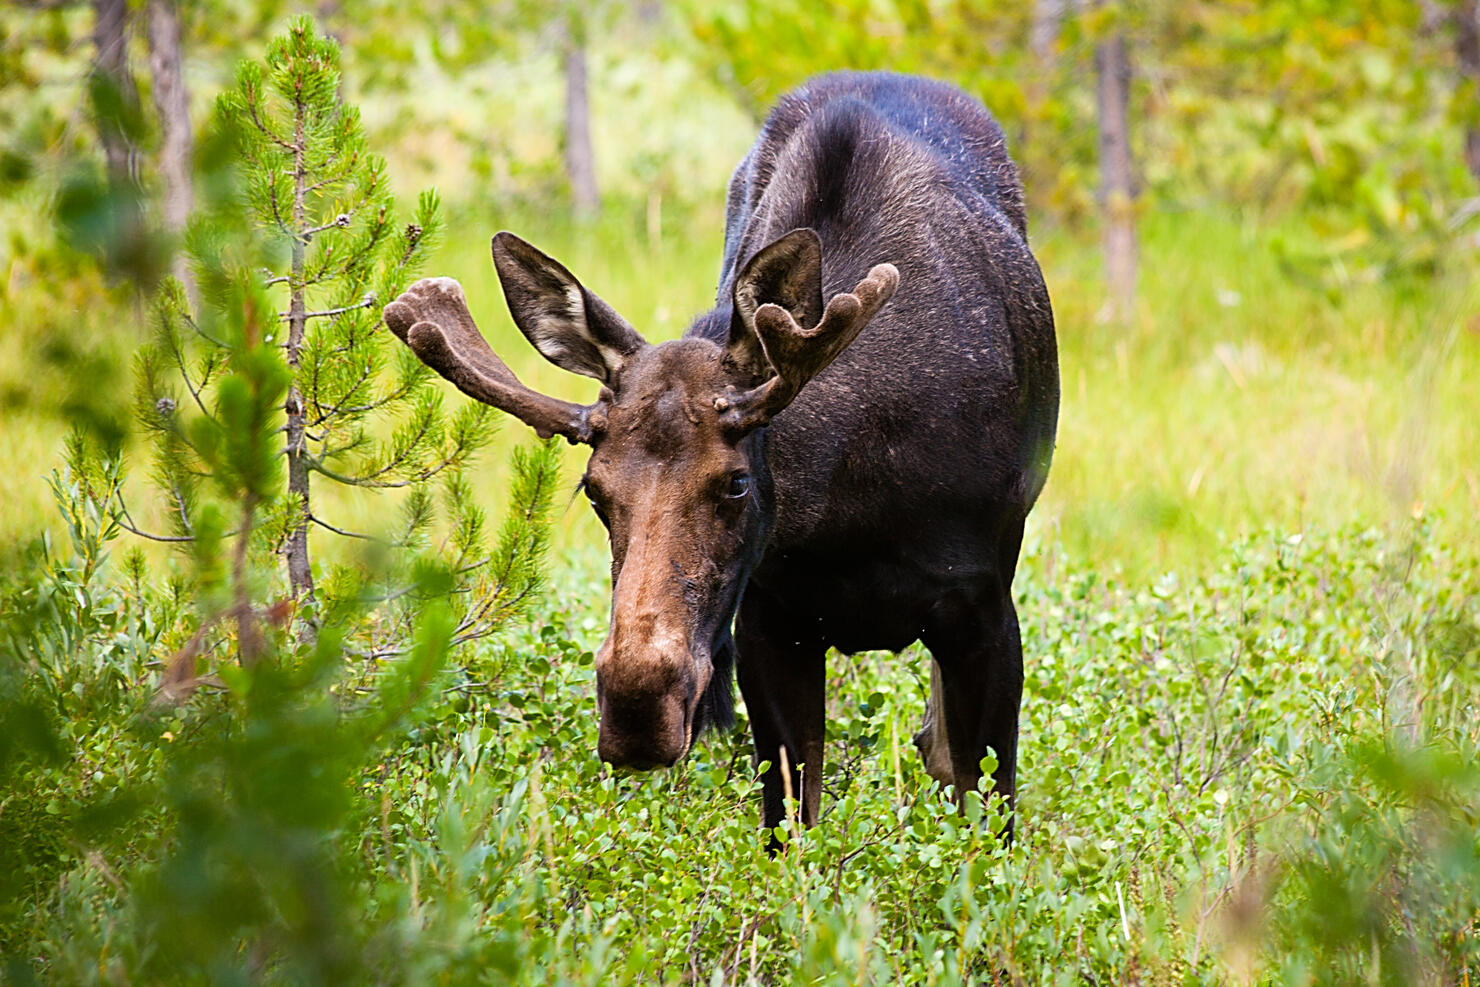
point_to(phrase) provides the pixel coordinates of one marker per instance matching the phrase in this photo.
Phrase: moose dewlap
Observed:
(841, 453)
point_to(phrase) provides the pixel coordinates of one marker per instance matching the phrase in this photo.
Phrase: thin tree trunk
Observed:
(1467, 52)
(1043, 37)
(580, 158)
(172, 103)
(1117, 177)
(115, 97)
(300, 572)
(327, 13)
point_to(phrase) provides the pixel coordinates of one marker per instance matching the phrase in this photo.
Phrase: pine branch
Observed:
(281, 223)
(126, 521)
(394, 396)
(521, 546)
(340, 531)
(185, 524)
(342, 176)
(331, 453)
(368, 301)
(190, 384)
(201, 332)
(265, 130)
(371, 481)
(328, 412)
(353, 481)
(338, 222)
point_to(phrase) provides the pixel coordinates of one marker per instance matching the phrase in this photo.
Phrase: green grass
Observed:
(1262, 774)
(1240, 399)
(1245, 395)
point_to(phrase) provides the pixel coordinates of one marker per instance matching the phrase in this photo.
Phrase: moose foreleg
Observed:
(782, 675)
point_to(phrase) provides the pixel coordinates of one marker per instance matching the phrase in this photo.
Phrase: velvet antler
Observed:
(799, 354)
(432, 318)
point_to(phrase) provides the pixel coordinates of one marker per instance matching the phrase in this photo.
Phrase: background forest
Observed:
(296, 644)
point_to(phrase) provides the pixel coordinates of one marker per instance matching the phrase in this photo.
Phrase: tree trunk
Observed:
(300, 571)
(172, 103)
(580, 159)
(327, 14)
(1048, 17)
(1117, 178)
(115, 98)
(1467, 53)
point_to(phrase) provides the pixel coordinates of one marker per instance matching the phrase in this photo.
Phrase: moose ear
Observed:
(797, 354)
(569, 325)
(786, 273)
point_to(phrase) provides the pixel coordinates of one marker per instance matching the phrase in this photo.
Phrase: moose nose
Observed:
(643, 734)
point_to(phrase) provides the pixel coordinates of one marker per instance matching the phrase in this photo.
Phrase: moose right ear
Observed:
(798, 353)
(570, 326)
(786, 272)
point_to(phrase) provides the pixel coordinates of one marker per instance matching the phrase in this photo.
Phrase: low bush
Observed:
(1264, 775)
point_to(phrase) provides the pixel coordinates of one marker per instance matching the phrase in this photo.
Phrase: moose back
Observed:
(841, 453)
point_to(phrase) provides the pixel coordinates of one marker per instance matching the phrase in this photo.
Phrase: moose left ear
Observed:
(788, 273)
(570, 326)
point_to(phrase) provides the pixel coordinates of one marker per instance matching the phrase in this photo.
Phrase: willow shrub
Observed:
(1261, 774)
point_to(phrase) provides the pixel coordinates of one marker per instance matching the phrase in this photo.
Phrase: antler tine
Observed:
(432, 318)
(798, 354)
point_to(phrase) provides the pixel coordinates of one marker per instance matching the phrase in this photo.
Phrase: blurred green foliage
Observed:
(1343, 112)
(1256, 768)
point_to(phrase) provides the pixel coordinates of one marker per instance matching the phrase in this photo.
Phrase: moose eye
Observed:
(595, 506)
(738, 487)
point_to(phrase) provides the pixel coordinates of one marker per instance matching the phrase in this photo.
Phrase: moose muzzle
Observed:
(642, 732)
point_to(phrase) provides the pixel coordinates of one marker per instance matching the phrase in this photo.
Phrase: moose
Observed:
(841, 453)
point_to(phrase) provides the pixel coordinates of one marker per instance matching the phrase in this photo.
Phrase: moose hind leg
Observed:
(931, 740)
(976, 688)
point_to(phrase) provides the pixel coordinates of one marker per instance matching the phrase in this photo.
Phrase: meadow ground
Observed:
(1249, 603)
(1247, 394)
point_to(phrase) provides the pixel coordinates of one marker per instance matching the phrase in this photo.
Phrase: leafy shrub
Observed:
(1264, 774)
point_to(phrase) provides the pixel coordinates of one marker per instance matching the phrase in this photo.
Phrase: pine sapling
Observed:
(294, 281)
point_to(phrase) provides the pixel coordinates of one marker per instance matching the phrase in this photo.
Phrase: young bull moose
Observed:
(842, 453)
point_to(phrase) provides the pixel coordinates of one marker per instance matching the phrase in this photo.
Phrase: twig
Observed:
(190, 321)
(267, 131)
(340, 531)
(318, 467)
(127, 525)
(185, 376)
(184, 514)
(366, 302)
(338, 222)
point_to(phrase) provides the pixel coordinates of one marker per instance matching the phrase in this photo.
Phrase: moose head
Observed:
(677, 472)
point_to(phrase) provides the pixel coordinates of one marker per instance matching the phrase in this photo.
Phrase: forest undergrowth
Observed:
(1264, 773)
